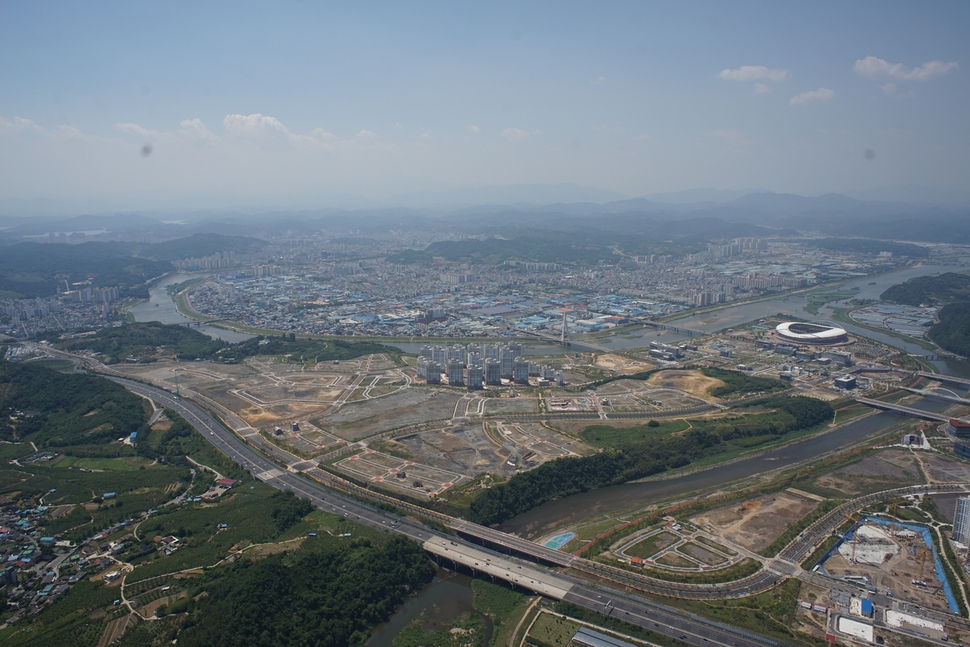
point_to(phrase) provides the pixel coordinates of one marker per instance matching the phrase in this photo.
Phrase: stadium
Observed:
(798, 332)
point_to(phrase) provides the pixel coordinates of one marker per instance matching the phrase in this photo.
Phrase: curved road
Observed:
(661, 619)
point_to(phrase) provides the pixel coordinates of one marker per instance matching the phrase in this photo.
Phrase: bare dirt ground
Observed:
(693, 382)
(511, 405)
(621, 365)
(888, 469)
(945, 469)
(754, 524)
(465, 449)
(358, 420)
(897, 575)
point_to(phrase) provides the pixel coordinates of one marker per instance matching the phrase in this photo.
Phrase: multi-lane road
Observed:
(661, 619)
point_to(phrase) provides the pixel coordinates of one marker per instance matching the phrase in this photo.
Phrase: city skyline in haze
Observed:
(296, 105)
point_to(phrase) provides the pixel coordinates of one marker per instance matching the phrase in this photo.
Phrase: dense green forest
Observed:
(325, 594)
(576, 246)
(930, 290)
(143, 341)
(146, 341)
(952, 332)
(738, 382)
(200, 245)
(651, 453)
(866, 246)
(60, 409)
(29, 269)
(322, 350)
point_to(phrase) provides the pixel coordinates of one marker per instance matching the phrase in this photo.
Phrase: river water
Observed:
(160, 307)
(446, 598)
(572, 509)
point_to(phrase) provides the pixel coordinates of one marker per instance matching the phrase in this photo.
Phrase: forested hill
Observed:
(201, 245)
(145, 341)
(60, 410)
(952, 290)
(29, 270)
(930, 290)
(325, 594)
(149, 341)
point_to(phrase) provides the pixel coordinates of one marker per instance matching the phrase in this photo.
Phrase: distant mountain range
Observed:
(719, 214)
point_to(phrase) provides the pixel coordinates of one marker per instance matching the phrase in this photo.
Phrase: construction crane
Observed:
(921, 556)
(852, 533)
(893, 528)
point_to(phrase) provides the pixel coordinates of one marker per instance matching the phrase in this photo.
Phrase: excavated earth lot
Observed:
(755, 523)
(357, 420)
(888, 469)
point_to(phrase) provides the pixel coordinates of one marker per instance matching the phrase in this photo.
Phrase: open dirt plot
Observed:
(362, 419)
(526, 439)
(693, 382)
(651, 545)
(895, 571)
(945, 469)
(675, 560)
(888, 469)
(754, 524)
(464, 449)
(622, 365)
(701, 554)
(510, 405)
(399, 473)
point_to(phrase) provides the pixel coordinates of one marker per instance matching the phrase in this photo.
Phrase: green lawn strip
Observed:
(771, 613)
(820, 552)
(704, 541)
(605, 436)
(649, 547)
(737, 571)
(948, 558)
(612, 623)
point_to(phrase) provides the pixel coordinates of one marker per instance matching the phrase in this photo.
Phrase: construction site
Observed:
(891, 558)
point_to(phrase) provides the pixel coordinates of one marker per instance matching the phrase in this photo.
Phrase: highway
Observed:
(661, 619)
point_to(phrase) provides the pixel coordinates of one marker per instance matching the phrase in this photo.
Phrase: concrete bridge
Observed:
(909, 412)
(946, 379)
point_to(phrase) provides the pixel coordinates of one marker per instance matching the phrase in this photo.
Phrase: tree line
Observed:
(637, 459)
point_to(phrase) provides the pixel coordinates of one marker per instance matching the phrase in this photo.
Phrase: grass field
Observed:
(604, 436)
(552, 630)
(114, 464)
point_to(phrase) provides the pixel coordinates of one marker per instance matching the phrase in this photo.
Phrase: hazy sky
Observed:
(176, 105)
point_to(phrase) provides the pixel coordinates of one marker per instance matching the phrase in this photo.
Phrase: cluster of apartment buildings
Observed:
(479, 365)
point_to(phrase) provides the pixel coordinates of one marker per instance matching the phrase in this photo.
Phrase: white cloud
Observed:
(761, 88)
(641, 137)
(874, 66)
(822, 94)
(134, 129)
(598, 80)
(889, 88)
(473, 128)
(753, 73)
(259, 126)
(195, 129)
(254, 124)
(517, 134)
(19, 124)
